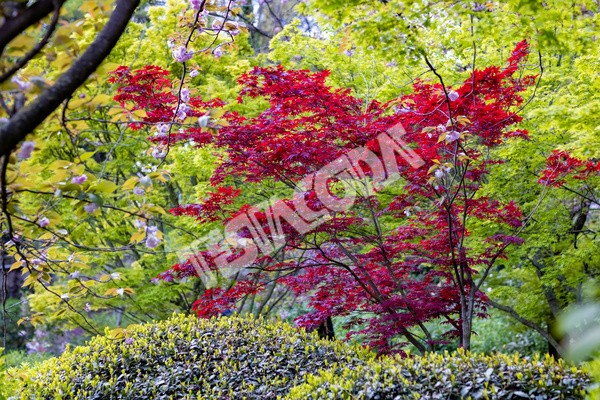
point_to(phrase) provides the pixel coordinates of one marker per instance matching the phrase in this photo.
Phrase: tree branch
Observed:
(29, 117)
(527, 323)
(31, 15)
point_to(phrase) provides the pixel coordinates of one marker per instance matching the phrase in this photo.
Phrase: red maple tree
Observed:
(402, 256)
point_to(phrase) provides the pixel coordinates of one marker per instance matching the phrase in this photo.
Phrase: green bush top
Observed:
(446, 376)
(190, 358)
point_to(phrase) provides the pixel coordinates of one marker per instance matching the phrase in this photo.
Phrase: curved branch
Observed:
(529, 324)
(39, 46)
(29, 117)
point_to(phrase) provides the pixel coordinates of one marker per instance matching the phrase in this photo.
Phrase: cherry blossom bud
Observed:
(79, 179)
(194, 73)
(43, 222)
(26, 149)
(129, 341)
(88, 308)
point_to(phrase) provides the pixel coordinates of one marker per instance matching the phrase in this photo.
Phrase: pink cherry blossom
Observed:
(26, 149)
(79, 179)
(90, 208)
(185, 95)
(43, 222)
(181, 54)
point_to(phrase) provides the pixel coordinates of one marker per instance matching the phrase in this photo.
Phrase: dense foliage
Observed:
(186, 358)
(416, 176)
(458, 375)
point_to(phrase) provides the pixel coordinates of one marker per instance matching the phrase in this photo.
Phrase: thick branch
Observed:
(31, 15)
(37, 48)
(528, 324)
(28, 118)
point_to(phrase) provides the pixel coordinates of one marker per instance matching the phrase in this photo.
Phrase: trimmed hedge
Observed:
(190, 358)
(459, 375)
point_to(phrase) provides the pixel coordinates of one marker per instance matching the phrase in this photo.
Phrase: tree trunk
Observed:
(325, 330)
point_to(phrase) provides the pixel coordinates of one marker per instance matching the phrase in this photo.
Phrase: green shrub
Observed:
(454, 376)
(190, 358)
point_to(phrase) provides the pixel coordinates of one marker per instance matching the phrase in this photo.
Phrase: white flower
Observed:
(185, 95)
(120, 291)
(453, 96)
(115, 275)
(74, 275)
(441, 128)
(26, 149)
(181, 54)
(452, 136)
(203, 120)
(152, 242)
(90, 208)
(79, 179)
(36, 261)
(43, 222)
(439, 173)
(171, 43)
(194, 73)
(88, 308)
(146, 181)
(64, 296)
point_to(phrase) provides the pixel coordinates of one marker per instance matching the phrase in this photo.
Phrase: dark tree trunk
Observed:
(325, 330)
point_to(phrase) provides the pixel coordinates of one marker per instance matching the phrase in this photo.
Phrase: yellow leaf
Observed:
(128, 290)
(110, 292)
(130, 183)
(137, 237)
(104, 186)
(22, 41)
(104, 278)
(16, 265)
